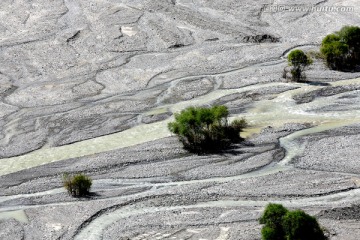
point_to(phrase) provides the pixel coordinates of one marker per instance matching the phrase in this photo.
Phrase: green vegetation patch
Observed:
(282, 224)
(77, 185)
(342, 49)
(298, 60)
(202, 129)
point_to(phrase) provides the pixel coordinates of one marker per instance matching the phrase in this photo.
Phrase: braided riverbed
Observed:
(90, 86)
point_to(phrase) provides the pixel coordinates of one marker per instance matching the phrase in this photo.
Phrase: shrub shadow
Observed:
(316, 83)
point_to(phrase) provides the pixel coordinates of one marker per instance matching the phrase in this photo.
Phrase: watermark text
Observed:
(306, 8)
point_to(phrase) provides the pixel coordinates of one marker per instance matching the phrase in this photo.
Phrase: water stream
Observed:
(137, 135)
(94, 230)
(18, 215)
(275, 112)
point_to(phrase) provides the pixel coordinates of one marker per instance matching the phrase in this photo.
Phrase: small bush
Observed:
(282, 224)
(204, 130)
(78, 185)
(342, 49)
(351, 36)
(272, 218)
(270, 233)
(299, 225)
(298, 60)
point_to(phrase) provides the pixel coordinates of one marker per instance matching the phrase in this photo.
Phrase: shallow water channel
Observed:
(275, 112)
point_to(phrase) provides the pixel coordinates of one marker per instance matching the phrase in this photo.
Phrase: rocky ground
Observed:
(89, 86)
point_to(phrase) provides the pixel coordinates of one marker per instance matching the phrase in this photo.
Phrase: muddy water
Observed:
(276, 112)
(283, 109)
(294, 148)
(136, 135)
(17, 215)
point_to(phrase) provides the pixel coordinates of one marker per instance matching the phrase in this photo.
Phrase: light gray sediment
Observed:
(89, 86)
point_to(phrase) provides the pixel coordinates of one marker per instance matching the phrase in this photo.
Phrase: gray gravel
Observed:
(72, 70)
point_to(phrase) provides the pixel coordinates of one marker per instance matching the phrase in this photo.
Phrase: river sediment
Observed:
(91, 87)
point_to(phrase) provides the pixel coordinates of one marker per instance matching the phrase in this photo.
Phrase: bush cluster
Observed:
(298, 60)
(204, 130)
(77, 185)
(342, 49)
(282, 224)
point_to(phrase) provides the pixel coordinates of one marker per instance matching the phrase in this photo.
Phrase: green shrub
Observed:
(351, 36)
(272, 218)
(298, 225)
(269, 233)
(281, 224)
(342, 49)
(206, 129)
(298, 60)
(331, 38)
(336, 54)
(77, 185)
